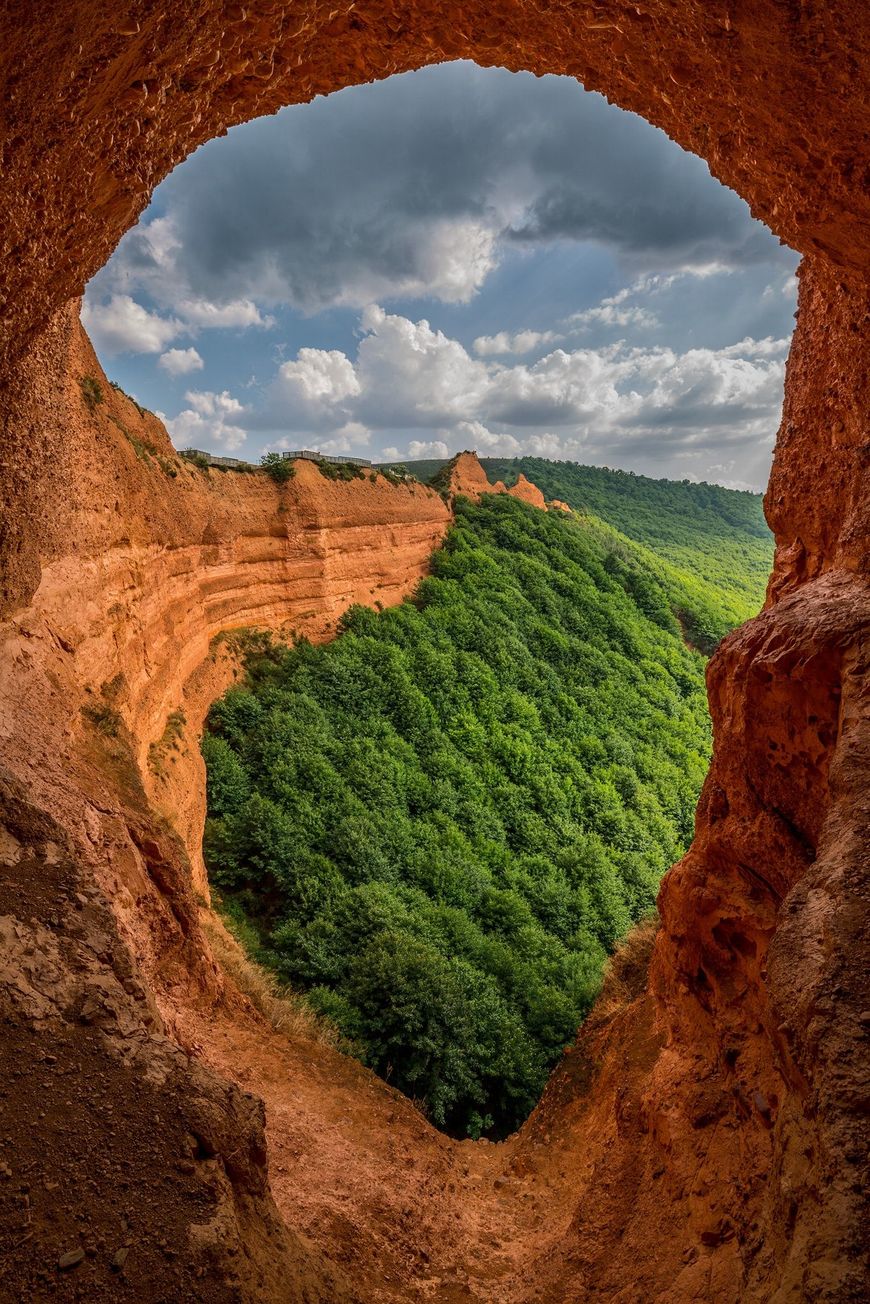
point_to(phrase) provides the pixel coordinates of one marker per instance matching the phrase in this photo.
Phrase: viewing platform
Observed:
(308, 455)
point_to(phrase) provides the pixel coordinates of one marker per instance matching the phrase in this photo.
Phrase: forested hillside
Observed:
(440, 824)
(715, 540)
(719, 535)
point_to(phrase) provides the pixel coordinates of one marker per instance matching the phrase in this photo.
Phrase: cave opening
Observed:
(590, 294)
(121, 100)
(449, 258)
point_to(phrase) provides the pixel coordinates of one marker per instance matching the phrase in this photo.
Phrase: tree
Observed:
(415, 1020)
(280, 469)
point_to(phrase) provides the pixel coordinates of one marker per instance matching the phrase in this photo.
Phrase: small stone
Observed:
(71, 1259)
(119, 1258)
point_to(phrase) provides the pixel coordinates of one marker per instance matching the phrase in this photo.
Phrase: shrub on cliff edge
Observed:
(281, 469)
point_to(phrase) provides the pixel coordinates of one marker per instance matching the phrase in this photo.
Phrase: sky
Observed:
(454, 258)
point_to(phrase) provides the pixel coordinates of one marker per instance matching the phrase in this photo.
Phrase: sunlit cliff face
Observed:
(705, 1139)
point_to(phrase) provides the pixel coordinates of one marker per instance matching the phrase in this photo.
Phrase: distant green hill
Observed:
(716, 534)
(709, 545)
(439, 825)
(426, 469)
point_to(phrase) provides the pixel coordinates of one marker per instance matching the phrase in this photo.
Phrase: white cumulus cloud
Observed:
(610, 313)
(179, 362)
(520, 342)
(209, 421)
(474, 434)
(149, 262)
(454, 260)
(238, 313)
(610, 403)
(320, 376)
(412, 375)
(421, 448)
(121, 325)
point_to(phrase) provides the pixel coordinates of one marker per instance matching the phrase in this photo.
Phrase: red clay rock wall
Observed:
(527, 493)
(704, 1140)
(467, 479)
(146, 558)
(143, 559)
(818, 499)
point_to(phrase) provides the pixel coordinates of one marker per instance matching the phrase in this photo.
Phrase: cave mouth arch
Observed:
(116, 100)
(175, 84)
(245, 267)
(165, 83)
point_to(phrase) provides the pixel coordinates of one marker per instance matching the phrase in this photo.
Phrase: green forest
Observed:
(439, 825)
(716, 534)
(714, 542)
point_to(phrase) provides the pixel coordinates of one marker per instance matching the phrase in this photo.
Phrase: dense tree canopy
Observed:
(716, 536)
(713, 541)
(441, 823)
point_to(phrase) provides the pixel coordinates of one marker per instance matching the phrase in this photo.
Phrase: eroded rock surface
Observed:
(466, 478)
(705, 1139)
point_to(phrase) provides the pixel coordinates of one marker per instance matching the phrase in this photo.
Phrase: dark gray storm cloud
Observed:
(696, 225)
(408, 188)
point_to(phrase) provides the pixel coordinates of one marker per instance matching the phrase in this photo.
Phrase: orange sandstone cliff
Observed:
(466, 478)
(706, 1138)
(527, 493)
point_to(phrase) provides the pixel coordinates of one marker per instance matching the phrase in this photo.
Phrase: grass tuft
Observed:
(104, 718)
(286, 1011)
(92, 392)
(627, 970)
(169, 741)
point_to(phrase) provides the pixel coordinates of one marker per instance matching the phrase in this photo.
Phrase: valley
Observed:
(443, 822)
